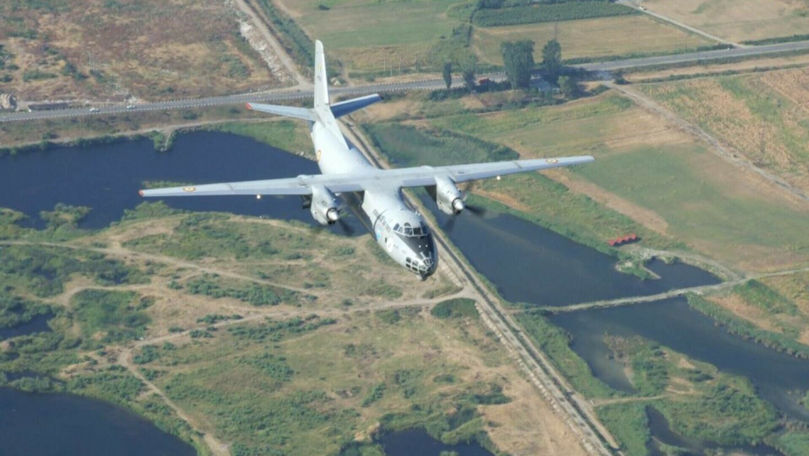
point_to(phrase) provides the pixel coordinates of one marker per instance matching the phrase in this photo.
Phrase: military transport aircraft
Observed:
(399, 229)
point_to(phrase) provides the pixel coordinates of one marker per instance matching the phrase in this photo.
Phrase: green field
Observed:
(762, 116)
(550, 12)
(590, 38)
(689, 188)
(377, 37)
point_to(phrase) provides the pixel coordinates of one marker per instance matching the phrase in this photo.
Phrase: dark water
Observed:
(661, 432)
(777, 376)
(62, 424)
(413, 442)
(528, 263)
(107, 177)
(37, 324)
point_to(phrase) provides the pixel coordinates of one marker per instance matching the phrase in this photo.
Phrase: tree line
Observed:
(518, 60)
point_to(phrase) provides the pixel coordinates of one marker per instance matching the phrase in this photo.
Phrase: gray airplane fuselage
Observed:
(399, 230)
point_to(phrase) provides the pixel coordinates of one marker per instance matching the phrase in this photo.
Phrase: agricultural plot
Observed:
(111, 49)
(590, 38)
(738, 20)
(762, 116)
(553, 12)
(376, 37)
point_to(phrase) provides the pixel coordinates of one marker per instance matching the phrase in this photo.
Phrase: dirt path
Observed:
(723, 151)
(260, 20)
(217, 447)
(636, 5)
(122, 252)
(626, 400)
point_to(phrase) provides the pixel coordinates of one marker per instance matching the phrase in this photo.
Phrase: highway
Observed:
(287, 95)
(695, 57)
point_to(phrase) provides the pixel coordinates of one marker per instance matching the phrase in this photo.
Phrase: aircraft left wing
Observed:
(369, 179)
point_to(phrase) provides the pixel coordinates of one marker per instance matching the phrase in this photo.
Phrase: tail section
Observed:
(321, 96)
(321, 80)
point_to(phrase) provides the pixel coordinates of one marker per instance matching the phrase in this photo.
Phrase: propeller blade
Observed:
(345, 227)
(449, 225)
(476, 210)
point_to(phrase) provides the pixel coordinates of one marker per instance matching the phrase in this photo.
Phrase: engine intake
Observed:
(324, 206)
(447, 196)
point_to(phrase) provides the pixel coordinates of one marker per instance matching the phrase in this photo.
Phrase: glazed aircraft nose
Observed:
(427, 267)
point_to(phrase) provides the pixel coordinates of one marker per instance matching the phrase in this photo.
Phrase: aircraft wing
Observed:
(369, 179)
(475, 171)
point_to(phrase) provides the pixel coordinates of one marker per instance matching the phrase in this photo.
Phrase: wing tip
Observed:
(140, 192)
(248, 106)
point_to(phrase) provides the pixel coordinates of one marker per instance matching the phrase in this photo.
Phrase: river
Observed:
(64, 424)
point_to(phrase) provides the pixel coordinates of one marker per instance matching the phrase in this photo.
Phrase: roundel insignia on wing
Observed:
(552, 161)
(189, 189)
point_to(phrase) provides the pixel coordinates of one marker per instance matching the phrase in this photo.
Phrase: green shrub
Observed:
(550, 13)
(455, 308)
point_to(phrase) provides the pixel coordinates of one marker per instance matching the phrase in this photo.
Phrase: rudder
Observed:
(321, 80)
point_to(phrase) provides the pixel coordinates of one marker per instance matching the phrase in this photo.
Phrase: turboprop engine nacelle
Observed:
(447, 196)
(324, 206)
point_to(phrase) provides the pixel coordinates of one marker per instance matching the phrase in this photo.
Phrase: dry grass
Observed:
(763, 116)
(600, 37)
(150, 49)
(738, 20)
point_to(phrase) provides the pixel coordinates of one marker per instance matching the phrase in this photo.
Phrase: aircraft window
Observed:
(396, 228)
(408, 230)
(417, 231)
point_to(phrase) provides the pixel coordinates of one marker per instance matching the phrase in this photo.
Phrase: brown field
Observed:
(111, 50)
(607, 36)
(762, 116)
(738, 20)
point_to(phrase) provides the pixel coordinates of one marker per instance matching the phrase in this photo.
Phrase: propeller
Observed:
(477, 211)
(345, 227)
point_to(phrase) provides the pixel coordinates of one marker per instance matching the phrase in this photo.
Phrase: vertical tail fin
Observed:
(321, 80)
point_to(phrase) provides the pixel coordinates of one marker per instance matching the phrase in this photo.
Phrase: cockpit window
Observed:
(408, 230)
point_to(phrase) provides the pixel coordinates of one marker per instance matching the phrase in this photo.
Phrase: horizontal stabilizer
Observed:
(347, 107)
(285, 111)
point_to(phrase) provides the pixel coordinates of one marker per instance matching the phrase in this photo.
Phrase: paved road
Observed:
(693, 57)
(285, 95)
(272, 96)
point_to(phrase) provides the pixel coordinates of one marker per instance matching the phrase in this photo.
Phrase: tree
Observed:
(448, 74)
(518, 58)
(468, 64)
(568, 86)
(552, 59)
(469, 78)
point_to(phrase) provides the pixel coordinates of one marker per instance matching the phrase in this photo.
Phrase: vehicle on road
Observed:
(93, 109)
(347, 174)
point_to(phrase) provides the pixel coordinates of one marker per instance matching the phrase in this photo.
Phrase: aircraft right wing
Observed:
(370, 178)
